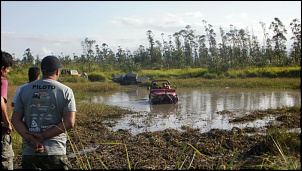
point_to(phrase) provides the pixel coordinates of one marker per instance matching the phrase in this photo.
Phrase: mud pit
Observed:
(217, 149)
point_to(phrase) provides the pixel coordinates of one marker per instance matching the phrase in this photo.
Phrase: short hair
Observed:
(33, 73)
(50, 64)
(7, 59)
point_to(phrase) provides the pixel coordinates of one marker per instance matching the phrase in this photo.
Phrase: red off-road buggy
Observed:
(162, 93)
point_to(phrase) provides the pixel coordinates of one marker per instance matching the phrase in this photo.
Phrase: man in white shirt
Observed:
(44, 110)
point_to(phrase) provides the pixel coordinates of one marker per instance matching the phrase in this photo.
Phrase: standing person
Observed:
(49, 110)
(84, 74)
(33, 75)
(7, 154)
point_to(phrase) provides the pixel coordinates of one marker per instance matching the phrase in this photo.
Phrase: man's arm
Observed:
(15, 98)
(6, 123)
(21, 128)
(67, 123)
(19, 125)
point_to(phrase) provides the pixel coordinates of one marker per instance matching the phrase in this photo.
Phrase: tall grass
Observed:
(18, 77)
(270, 83)
(270, 72)
(179, 165)
(174, 73)
(81, 163)
(283, 147)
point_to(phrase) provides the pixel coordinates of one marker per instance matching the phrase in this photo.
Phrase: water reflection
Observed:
(197, 107)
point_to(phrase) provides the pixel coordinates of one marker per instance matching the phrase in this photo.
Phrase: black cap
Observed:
(50, 64)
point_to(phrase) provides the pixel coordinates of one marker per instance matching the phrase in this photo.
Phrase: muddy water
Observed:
(197, 108)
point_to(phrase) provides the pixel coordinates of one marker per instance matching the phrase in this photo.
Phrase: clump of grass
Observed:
(79, 159)
(279, 150)
(179, 165)
(115, 143)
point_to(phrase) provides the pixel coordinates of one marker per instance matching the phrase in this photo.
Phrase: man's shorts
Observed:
(46, 162)
(7, 154)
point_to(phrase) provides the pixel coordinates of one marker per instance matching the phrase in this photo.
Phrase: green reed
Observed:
(178, 166)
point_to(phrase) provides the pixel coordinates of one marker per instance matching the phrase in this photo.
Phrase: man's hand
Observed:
(8, 126)
(35, 141)
(37, 136)
(37, 146)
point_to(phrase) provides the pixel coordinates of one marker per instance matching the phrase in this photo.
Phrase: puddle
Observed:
(197, 108)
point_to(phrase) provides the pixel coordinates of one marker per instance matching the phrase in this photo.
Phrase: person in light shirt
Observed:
(49, 110)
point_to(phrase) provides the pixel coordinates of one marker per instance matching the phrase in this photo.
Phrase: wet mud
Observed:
(187, 149)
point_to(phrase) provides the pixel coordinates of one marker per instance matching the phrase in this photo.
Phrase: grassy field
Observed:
(17, 77)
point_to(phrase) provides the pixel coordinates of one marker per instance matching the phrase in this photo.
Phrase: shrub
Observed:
(96, 77)
(210, 76)
(293, 72)
(251, 73)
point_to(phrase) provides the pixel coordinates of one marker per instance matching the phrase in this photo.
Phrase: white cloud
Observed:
(46, 51)
(235, 16)
(130, 21)
(166, 20)
(193, 15)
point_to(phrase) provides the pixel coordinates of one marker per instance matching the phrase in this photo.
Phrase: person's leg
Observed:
(7, 163)
(57, 162)
(46, 162)
(7, 152)
(31, 162)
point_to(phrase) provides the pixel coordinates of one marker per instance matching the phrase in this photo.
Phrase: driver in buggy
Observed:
(154, 86)
(166, 86)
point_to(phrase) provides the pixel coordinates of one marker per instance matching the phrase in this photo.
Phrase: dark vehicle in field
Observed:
(160, 92)
(127, 79)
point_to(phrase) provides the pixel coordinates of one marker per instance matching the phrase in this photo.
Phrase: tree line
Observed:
(185, 49)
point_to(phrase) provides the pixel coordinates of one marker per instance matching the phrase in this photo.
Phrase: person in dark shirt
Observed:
(6, 141)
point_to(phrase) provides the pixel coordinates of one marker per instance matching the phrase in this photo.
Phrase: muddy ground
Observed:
(188, 149)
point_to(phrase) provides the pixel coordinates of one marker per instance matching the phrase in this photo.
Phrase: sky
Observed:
(59, 27)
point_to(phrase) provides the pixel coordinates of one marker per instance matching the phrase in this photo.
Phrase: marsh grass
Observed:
(179, 165)
(80, 161)
(19, 76)
(278, 156)
(255, 83)
(126, 152)
(95, 87)
(284, 150)
(174, 73)
(83, 160)
(268, 72)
